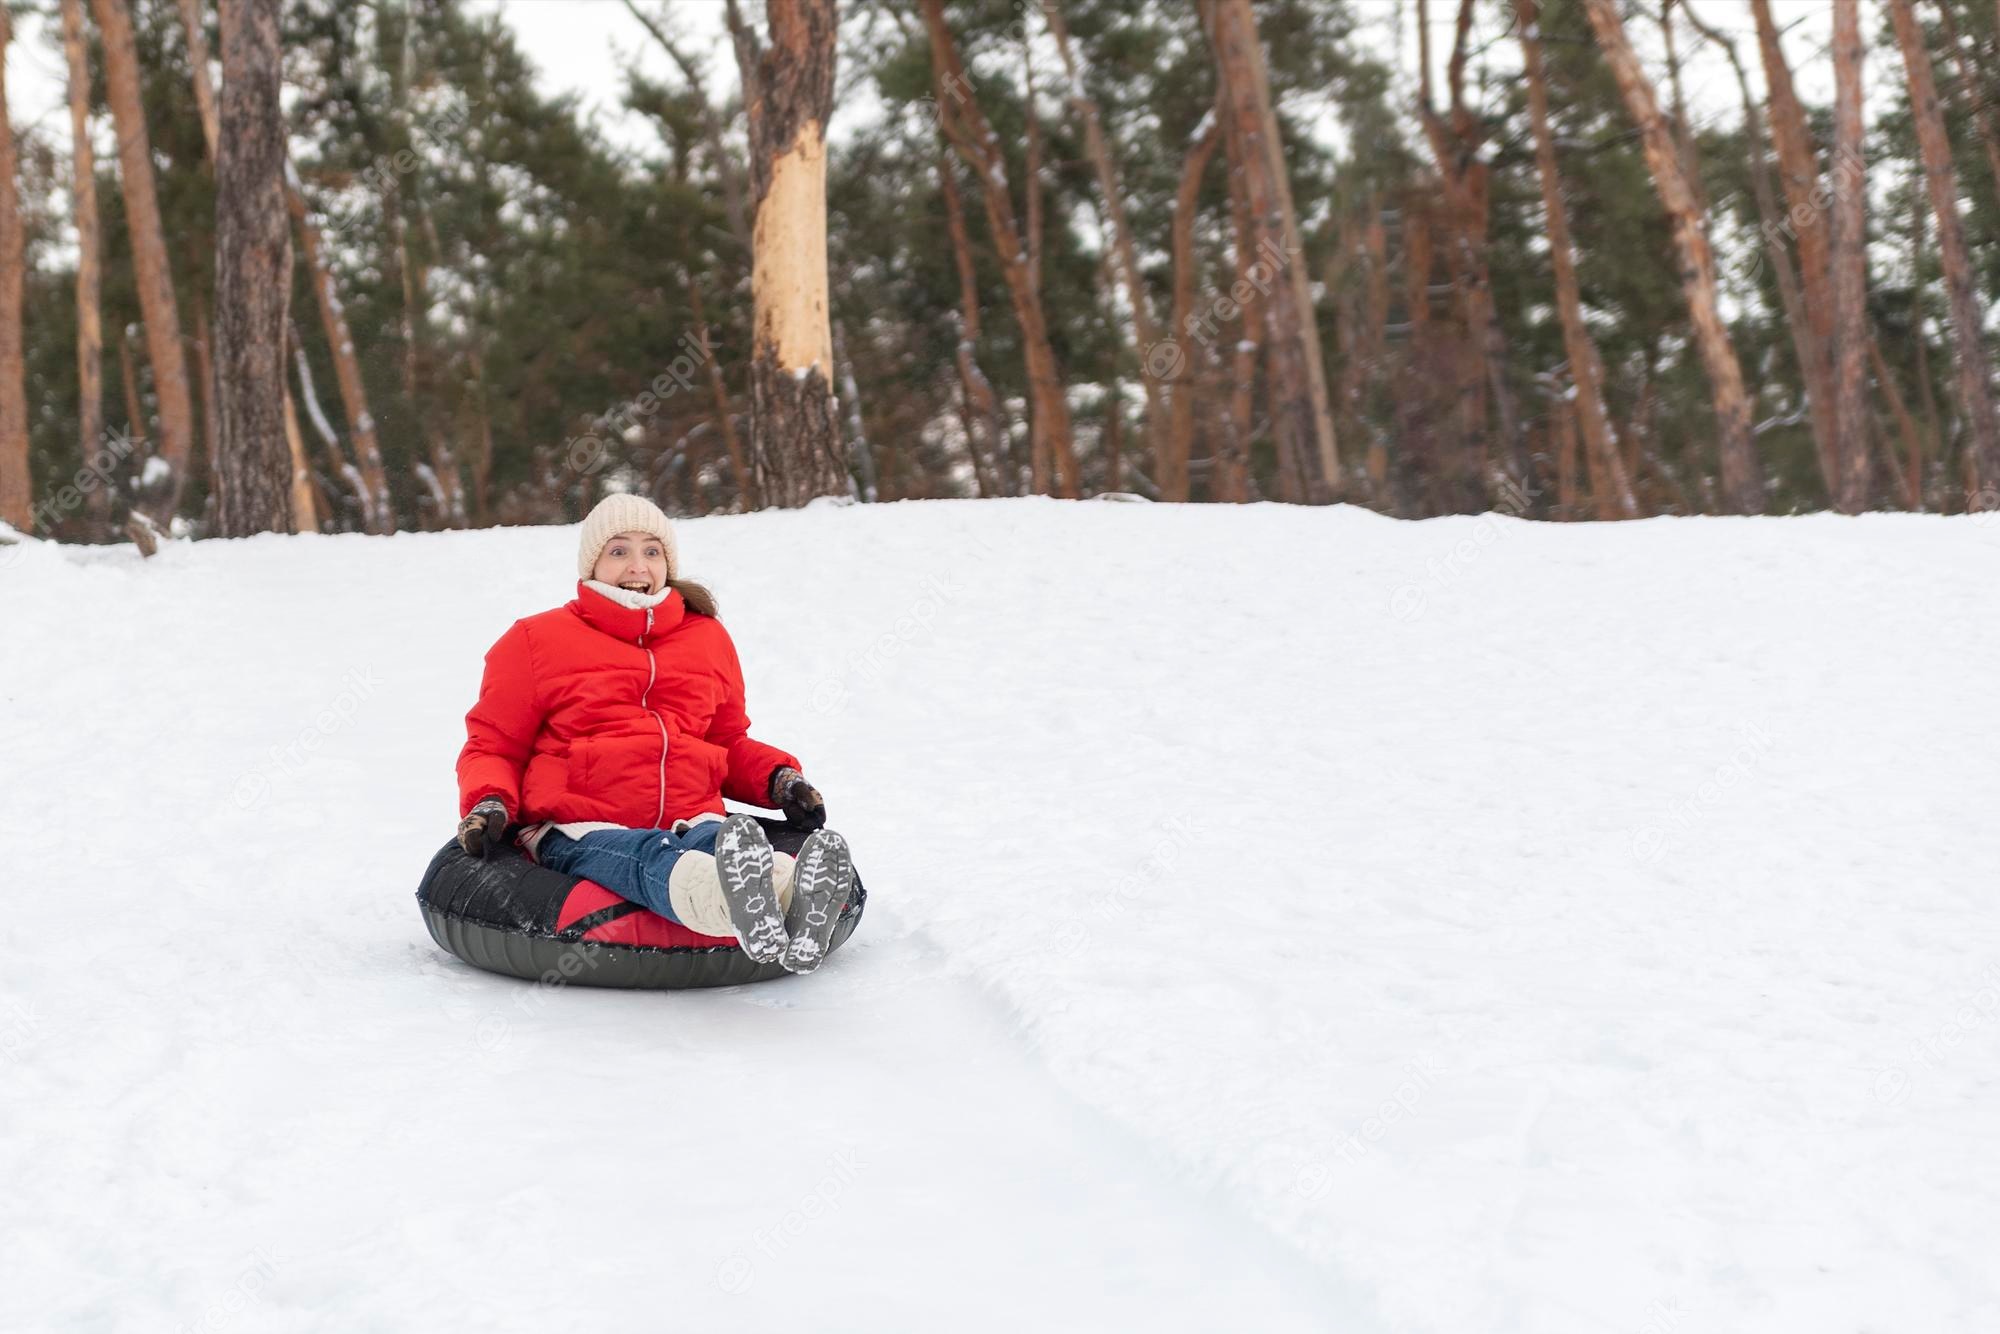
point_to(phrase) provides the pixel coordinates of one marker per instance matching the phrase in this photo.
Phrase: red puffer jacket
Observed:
(597, 711)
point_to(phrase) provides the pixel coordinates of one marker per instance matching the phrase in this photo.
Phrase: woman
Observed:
(610, 729)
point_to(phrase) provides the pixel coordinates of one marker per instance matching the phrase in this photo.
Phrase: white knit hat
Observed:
(623, 513)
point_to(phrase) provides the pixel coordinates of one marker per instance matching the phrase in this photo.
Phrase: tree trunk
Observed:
(16, 487)
(1848, 262)
(1052, 437)
(1232, 471)
(1612, 487)
(378, 516)
(1177, 366)
(83, 194)
(204, 379)
(795, 446)
(151, 272)
(1805, 222)
(1455, 150)
(204, 85)
(1981, 108)
(1975, 392)
(1301, 417)
(850, 392)
(980, 408)
(305, 499)
(725, 416)
(1742, 482)
(1145, 330)
(253, 266)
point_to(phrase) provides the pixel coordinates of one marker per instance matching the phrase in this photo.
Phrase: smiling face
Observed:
(633, 561)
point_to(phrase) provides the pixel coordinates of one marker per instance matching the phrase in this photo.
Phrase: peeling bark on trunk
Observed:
(795, 446)
(15, 485)
(1975, 392)
(151, 272)
(253, 265)
(1849, 265)
(1611, 487)
(1742, 480)
(83, 192)
(1052, 436)
(1170, 460)
(1301, 417)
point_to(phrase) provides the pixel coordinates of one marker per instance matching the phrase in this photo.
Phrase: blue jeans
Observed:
(631, 863)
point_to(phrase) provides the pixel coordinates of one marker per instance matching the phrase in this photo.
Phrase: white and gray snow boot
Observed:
(821, 882)
(743, 865)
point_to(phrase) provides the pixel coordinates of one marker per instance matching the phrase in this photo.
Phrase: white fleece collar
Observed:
(625, 597)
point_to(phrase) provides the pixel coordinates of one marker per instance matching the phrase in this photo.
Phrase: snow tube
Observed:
(506, 914)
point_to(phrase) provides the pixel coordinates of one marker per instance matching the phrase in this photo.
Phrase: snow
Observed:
(1280, 919)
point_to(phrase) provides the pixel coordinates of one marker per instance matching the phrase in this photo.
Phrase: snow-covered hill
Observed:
(1280, 919)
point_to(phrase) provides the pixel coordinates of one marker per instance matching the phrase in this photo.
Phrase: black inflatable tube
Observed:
(500, 913)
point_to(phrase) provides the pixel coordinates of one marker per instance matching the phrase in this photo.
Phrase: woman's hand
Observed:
(804, 807)
(482, 829)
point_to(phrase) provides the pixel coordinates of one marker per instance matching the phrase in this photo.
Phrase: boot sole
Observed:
(821, 882)
(743, 865)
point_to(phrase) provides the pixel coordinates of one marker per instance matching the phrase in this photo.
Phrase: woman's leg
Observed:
(638, 864)
(635, 864)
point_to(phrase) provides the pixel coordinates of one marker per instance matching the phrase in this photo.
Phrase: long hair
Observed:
(698, 599)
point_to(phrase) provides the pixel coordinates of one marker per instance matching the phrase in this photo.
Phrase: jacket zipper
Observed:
(645, 702)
